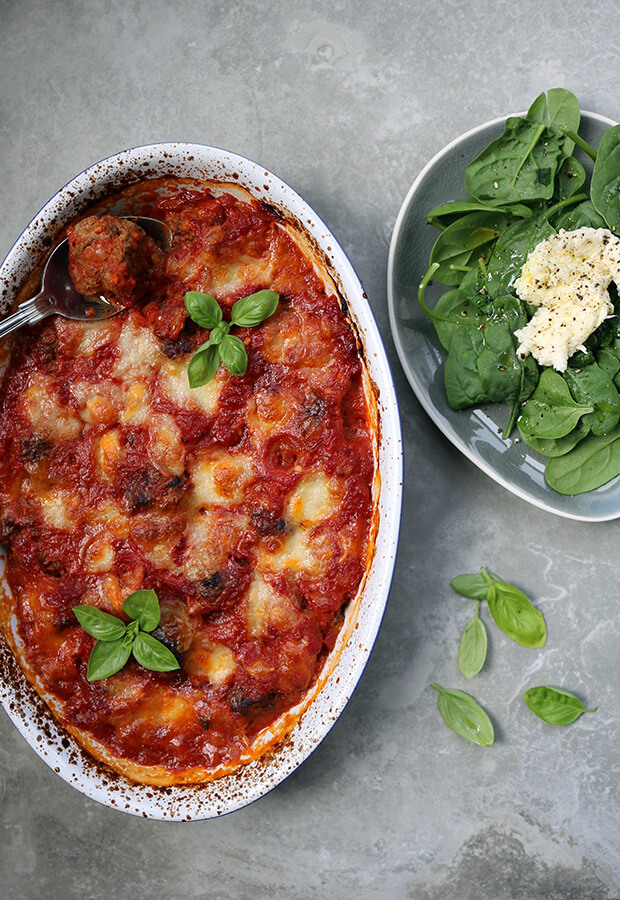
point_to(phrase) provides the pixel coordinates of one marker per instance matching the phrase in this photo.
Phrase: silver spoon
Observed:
(58, 295)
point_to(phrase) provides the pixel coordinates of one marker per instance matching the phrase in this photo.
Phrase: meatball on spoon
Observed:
(124, 250)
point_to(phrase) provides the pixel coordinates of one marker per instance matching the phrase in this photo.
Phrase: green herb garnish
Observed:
(117, 640)
(465, 716)
(554, 706)
(511, 609)
(221, 345)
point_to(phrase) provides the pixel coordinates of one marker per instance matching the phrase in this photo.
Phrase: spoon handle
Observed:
(27, 313)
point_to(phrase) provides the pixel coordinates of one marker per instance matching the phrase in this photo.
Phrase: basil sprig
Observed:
(117, 640)
(221, 345)
(465, 716)
(554, 706)
(511, 609)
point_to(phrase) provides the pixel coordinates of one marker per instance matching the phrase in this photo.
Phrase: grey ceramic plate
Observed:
(478, 432)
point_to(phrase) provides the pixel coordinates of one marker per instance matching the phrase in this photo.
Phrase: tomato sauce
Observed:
(246, 505)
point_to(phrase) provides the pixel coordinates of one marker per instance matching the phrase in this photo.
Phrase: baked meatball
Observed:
(113, 257)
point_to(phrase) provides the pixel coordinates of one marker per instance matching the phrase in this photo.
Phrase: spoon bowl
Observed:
(58, 295)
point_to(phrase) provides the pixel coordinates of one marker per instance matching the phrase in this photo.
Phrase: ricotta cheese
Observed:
(567, 277)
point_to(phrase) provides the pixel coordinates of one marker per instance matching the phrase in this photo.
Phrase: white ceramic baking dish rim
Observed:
(255, 779)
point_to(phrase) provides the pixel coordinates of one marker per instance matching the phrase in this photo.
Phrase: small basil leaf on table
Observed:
(465, 716)
(472, 650)
(99, 624)
(233, 354)
(514, 614)
(143, 605)
(107, 658)
(203, 309)
(554, 706)
(254, 309)
(152, 654)
(474, 586)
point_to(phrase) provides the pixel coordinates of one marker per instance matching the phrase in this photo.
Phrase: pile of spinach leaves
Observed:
(524, 187)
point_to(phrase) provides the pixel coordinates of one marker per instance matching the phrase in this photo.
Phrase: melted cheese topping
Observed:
(567, 277)
(229, 500)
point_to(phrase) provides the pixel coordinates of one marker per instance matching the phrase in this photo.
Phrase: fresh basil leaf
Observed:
(143, 606)
(605, 182)
(593, 462)
(108, 657)
(203, 309)
(153, 655)
(472, 650)
(99, 624)
(554, 706)
(203, 366)
(474, 586)
(234, 355)
(254, 309)
(515, 616)
(465, 716)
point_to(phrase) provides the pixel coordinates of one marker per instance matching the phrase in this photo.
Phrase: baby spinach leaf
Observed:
(99, 624)
(593, 462)
(464, 240)
(592, 386)
(474, 586)
(515, 616)
(107, 658)
(465, 716)
(462, 379)
(608, 361)
(554, 706)
(472, 650)
(584, 215)
(460, 207)
(551, 412)
(516, 167)
(453, 310)
(559, 109)
(558, 446)
(570, 179)
(605, 182)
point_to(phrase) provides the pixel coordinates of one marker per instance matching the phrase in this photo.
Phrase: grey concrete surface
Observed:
(346, 100)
